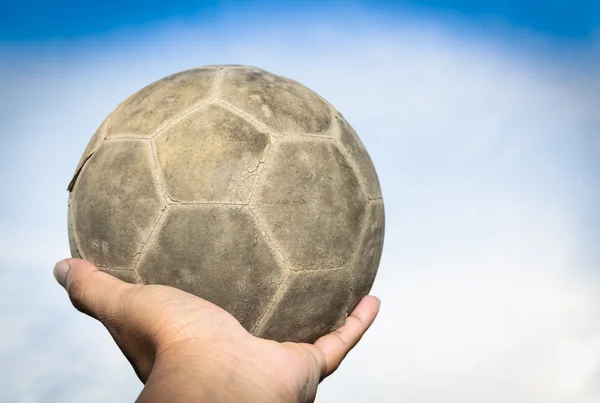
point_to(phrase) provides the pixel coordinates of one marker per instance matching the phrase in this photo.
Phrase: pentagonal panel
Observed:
(115, 203)
(311, 202)
(312, 304)
(211, 155)
(368, 256)
(143, 113)
(354, 146)
(217, 253)
(283, 104)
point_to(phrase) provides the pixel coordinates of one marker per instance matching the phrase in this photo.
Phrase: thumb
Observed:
(91, 291)
(108, 299)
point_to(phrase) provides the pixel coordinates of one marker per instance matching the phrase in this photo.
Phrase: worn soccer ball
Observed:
(239, 186)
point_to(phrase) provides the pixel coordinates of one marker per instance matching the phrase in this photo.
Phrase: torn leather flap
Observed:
(78, 171)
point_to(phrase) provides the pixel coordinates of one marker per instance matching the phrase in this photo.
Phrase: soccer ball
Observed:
(239, 186)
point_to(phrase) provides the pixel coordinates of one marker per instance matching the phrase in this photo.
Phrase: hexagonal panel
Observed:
(312, 304)
(283, 104)
(124, 275)
(311, 202)
(354, 146)
(217, 253)
(211, 155)
(143, 113)
(92, 145)
(71, 230)
(115, 203)
(366, 263)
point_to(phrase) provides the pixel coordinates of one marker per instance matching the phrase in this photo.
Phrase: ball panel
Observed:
(312, 305)
(92, 145)
(311, 202)
(70, 232)
(211, 155)
(354, 146)
(282, 104)
(125, 275)
(217, 253)
(364, 268)
(115, 203)
(147, 110)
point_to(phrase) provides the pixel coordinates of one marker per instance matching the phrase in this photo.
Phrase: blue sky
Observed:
(31, 20)
(482, 119)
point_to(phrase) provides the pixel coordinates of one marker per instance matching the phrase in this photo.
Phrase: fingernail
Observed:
(60, 272)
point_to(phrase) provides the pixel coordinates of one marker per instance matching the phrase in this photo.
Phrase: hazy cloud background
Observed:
(487, 150)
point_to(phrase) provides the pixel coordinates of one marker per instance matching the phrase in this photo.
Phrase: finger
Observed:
(91, 291)
(336, 345)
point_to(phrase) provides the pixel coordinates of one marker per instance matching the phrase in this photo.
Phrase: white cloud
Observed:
(487, 279)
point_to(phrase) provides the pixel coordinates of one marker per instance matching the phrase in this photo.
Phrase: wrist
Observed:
(185, 373)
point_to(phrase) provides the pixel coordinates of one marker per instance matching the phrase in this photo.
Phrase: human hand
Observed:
(186, 349)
